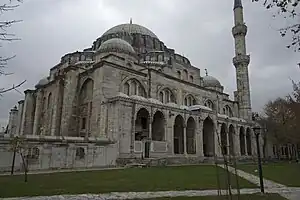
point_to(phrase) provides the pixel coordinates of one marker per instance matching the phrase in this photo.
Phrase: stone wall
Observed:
(61, 156)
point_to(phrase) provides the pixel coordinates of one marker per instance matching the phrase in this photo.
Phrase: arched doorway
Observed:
(242, 141)
(178, 135)
(248, 142)
(231, 139)
(142, 130)
(224, 139)
(158, 126)
(208, 137)
(142, 125)
(190, 136)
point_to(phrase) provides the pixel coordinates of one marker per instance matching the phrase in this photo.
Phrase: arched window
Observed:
(185, 75)
(228, 111)
(49, 104)
(85, 107)
(161, 96)
(179, 74)
(209, 104)
(134, 87)
(126, 88)
(166, 96)
(189, 100)
(191, 78)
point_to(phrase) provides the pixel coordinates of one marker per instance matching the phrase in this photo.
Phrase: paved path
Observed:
(287, 192)
(147, 195)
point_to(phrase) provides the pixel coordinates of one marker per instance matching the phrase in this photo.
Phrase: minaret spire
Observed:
(237, 4)
(241, 62)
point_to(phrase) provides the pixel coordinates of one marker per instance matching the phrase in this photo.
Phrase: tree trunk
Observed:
(13, 163)
(25, 167)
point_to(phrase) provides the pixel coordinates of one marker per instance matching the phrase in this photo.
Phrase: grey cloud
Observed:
(200, 30)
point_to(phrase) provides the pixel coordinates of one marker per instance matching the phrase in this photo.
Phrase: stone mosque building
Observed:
(130, 97)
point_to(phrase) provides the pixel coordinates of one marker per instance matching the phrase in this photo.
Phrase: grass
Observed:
(285, 173)
(242, 197)
(134, 180)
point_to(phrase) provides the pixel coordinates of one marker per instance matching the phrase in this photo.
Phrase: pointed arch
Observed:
(134, 87)
(158, 126)
(190, 136)
(166, 96)
(85, 107)
(208, 103)
(142, 124)
(178, 137)
(208, 137)
(248, 141)
(242, 141)
(228, 111)
(223, 141)
(189, 100)
(231, 139)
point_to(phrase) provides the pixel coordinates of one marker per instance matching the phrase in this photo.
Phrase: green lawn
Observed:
(284, 173)
(242, 197)
(134, 179)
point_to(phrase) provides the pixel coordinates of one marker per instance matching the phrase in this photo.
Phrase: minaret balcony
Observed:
(241, 60)
(240, 29)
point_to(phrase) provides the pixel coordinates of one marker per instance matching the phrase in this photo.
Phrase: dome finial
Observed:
(206, 73)
(130, 22)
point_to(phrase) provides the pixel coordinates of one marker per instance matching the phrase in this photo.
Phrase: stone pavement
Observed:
(291, 193)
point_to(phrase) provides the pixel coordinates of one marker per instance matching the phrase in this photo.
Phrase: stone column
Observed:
(38, 110)
(20, 114)
(184, 139)
(246, 146)
(199, 138)
(12, 122)
(28, 113)
(218, 151)
(70, 90)
(236, 138)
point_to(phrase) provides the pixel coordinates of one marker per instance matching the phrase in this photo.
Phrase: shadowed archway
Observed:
(231, 134)
(158, 126)
(208, 137)
(248, 142)
(178, 135)
(142, 125)
(242, 141)
(190, 136)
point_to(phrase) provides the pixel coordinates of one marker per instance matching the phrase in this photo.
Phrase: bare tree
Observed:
(6, 36)
(289, 10)
(20, 146)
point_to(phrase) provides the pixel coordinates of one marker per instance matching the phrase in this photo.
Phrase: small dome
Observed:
(130, 28)
(116, 45)
(42, 82)
(209, 81)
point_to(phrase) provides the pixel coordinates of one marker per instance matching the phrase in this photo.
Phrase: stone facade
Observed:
(131, 89)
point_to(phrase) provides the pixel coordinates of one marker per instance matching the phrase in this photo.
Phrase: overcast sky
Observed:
(198, 29)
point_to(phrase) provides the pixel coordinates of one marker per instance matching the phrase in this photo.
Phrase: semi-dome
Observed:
(116, 45)
(42, 82)
(209, 81)
(130, 28)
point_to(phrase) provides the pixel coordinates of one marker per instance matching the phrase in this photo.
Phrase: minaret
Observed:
(241, 62)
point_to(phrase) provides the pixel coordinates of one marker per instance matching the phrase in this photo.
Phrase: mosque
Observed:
(129, 97)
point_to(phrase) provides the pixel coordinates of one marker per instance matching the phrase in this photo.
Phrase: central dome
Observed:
(130, 28)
